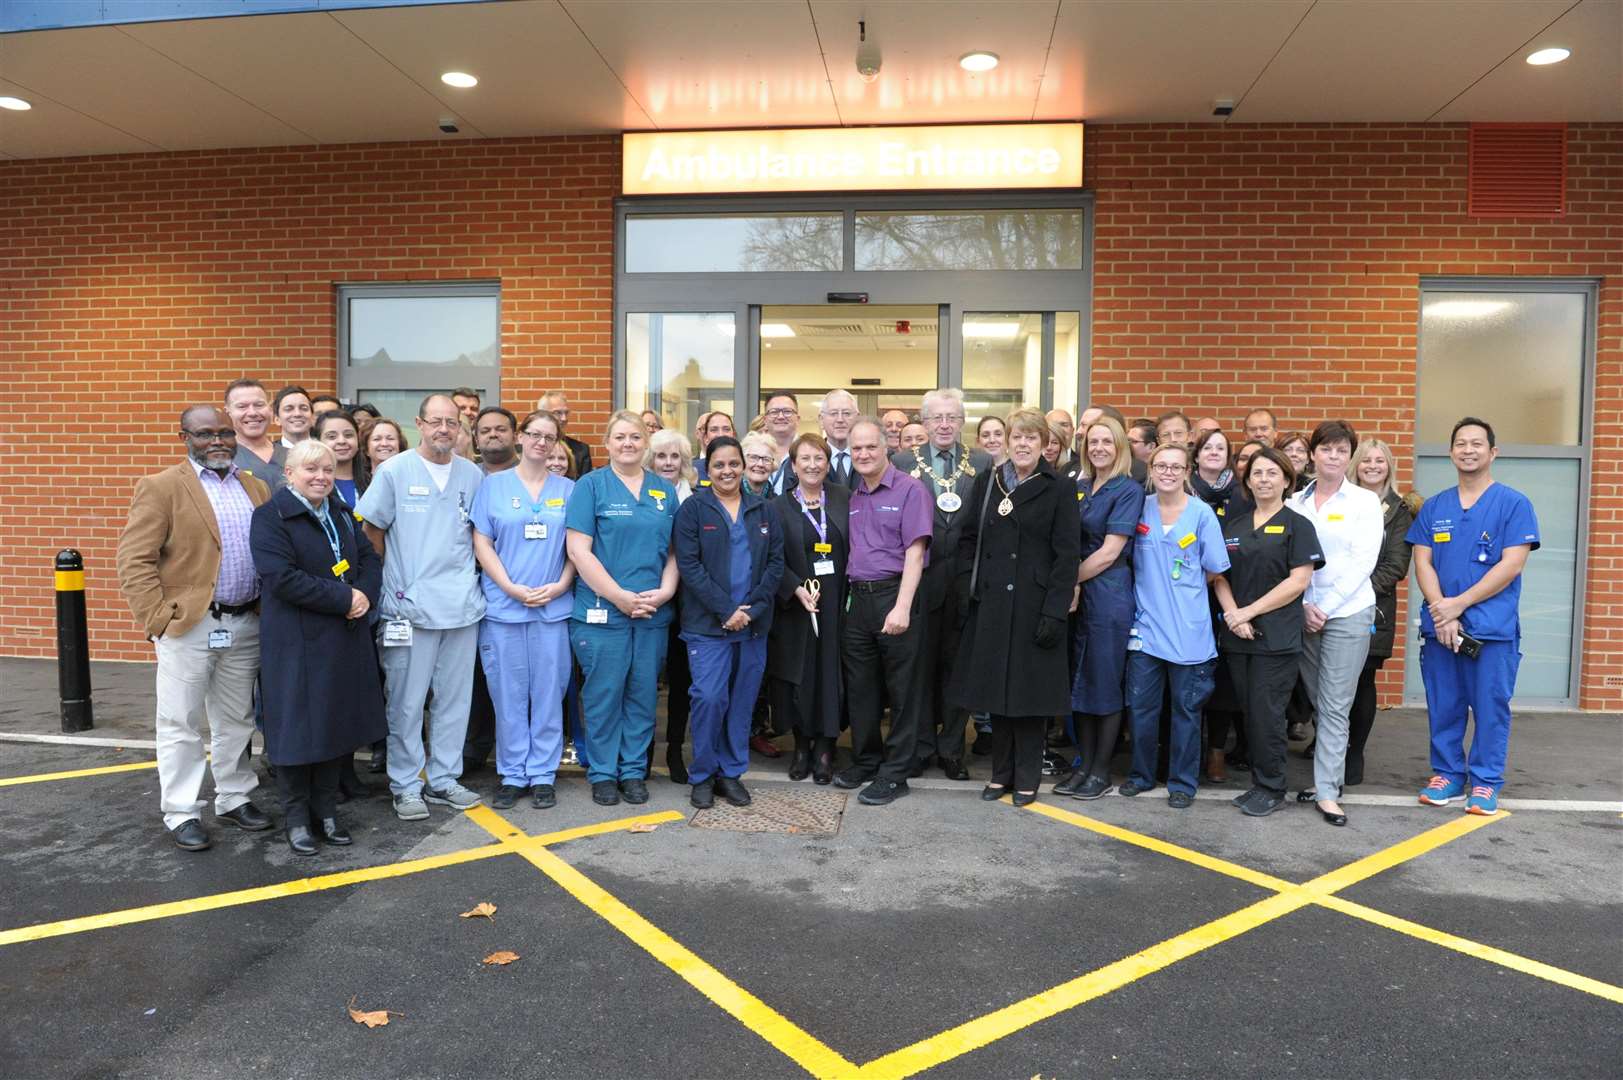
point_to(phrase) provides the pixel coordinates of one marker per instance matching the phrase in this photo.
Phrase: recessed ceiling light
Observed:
(978, 61)
(459, 79)
(773, 329)
(15, 104)
(1000, 330)
(1548, 56)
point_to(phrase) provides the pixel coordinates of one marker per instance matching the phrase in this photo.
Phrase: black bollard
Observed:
(72, 642)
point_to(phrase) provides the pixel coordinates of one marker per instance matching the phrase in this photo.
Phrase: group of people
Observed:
(351, 591)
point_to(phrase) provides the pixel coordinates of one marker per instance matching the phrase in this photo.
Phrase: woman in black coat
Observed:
(319, 578)
(804, 667)
(1018, 558)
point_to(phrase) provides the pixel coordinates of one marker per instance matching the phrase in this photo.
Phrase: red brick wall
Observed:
(1235, 265)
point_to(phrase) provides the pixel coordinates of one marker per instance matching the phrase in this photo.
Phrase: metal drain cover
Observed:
(810, 811)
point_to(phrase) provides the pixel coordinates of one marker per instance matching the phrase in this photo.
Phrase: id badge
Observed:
(340, 568)
(1135, 640)
(823, 567)
(220, 639)
(396, 632)
(535, 530)
(596, 616)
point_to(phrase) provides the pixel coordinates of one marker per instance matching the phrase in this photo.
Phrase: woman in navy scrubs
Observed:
(1110, 504)
(619, 539)
(729, 547)
(1273, 552)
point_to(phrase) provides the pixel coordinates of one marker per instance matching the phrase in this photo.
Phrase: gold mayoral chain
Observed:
(948, 501)
(1005, 507)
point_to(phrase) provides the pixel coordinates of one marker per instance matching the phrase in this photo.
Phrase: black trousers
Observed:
(1362, 717)
(1017, 751)
(309, 792)
(1263, 685)
(941, 727)
(481, 737)
(876, 666)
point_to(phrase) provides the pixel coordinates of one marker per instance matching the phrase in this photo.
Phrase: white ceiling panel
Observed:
(921, 41)
(1122, 61)
(53, 130)
(1360, 60)
(308, 70)
(536, 73)
(104, 73)
(735, 63)
(1588, 85)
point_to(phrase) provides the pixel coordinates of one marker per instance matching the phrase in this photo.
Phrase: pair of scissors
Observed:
(814, 587)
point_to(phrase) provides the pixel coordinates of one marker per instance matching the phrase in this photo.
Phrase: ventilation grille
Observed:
(1517, 170)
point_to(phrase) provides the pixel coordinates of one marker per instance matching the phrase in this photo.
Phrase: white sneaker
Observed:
(410, 808)
(453, 795)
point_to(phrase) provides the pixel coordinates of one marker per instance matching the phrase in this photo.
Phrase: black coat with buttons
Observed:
(1027, 564)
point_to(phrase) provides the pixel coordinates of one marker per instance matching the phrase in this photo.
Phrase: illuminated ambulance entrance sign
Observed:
(996, 156)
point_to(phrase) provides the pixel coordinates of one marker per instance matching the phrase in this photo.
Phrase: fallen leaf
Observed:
(644, 826)
(497, 959)
(483, 909)
(374, 1019)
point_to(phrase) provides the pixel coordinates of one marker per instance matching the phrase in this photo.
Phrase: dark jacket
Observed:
(704, 557)
(791, 627)
(1391, 571)
(320, 682)
(939, 575)
(1028, 562)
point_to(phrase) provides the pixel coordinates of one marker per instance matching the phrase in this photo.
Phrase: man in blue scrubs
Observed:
(1470, 545)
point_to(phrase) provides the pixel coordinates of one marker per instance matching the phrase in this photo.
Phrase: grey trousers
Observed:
(438, 660)
(1332, 660)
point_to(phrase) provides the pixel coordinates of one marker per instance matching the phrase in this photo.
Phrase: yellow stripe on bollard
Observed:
(70, 581)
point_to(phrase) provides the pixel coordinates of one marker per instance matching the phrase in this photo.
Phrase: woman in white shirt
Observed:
(1339, 604)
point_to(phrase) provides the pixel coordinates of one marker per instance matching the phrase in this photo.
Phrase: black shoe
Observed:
(1024, 798)
(1298, 731)
(704, 794)
(1333, 819)
(919, 765)
(247, 817)
(982, 746)
(334, 833)
(379, 761)
(543, 796)
(953, 768)
(882, 791)
(1259, 803)
(1354, 774)
(1307, 795)
(732, 790)
(800, 764)
(823, 768)
(190, 836)
(1306, 752)
(1129, 788)
(851, 778)
(606, 793)
(300, 840)
(1071, 784)
(1054, 764)
(1239, 762)
(1096, 787)
(993, 792)
(1179, 800)
(635, 792)
(350, 785)
(673, 762)
(505, 797)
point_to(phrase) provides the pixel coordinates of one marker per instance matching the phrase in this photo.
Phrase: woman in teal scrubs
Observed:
(619, 527)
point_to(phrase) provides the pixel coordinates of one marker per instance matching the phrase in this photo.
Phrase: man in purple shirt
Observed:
(891, 524)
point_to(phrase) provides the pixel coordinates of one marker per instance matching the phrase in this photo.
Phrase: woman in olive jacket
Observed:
(1371, 467)
(1017, 558)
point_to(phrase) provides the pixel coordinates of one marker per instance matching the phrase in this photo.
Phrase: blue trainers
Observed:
(1440, 791)
(1483, 800)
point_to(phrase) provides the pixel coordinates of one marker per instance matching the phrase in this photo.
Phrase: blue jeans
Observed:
(619, 690)
(726, 678)
(1191, 686)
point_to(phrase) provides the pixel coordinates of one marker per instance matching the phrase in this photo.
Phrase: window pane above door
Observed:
(970, 240)
(450, 331)
(663, 244)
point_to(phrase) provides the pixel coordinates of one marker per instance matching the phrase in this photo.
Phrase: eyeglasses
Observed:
(758, 459)
(783, 412)
(216, 435)
(1167, 470)
(841, 414)
(945, 418)
(442, 422)
(539, 436)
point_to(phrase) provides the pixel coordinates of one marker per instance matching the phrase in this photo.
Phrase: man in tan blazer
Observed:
(185, 568)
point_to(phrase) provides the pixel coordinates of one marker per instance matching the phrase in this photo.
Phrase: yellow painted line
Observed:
(1412, 848)
(788, 1038)
(40, 778)
(1510, 960)
(302, 886)
(502, 829)
(1163, 847)
(966, 1037)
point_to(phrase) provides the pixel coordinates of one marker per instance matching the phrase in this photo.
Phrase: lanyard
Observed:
(332, 536)
(820, 522)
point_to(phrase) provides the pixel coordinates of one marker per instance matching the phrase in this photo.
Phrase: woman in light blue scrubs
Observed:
(1177, 547)
(619, 540)
(518, 521)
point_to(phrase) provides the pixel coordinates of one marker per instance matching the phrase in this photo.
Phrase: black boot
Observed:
(300, 840)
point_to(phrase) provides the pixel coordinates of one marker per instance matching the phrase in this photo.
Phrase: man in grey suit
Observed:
(947, 469)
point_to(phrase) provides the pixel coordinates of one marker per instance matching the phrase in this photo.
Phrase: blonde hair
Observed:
(1188, 463)
(1122, 465)
(305, 452)
(1365, 448)
(664, 439)
(622, 416)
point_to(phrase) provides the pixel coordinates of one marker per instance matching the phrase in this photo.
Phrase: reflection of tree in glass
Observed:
(792, 243)
(992, 240)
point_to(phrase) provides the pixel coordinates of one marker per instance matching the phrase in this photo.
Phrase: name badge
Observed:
(1222, 511)
(416, 489)
(597, 616)
(535, 530)
(823, 567)
(555, 502)
(1273, 529)
(1187, 540)
(823, 549)
(1441, 538)
(396, 632)
(1335, 517)
(220, 639)
(340, 568)
(655, 494)
(1135, 640)
(704, 483)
